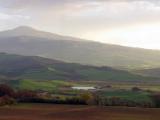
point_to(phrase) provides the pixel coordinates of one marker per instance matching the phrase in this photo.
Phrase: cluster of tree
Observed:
(156, 99)
(10, 96)
(7, 95)
(117, 101)
(81, 99)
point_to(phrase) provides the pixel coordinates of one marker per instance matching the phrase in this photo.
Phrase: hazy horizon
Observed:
(133, 23)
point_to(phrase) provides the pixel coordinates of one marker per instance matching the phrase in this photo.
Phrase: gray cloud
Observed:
(20, 4)
(75, 17)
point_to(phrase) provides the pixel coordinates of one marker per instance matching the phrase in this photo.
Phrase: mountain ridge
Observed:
(30, 31)
(75, 50)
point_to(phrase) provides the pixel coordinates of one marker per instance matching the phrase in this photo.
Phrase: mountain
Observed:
(28, 41)
(38, 68)
(29, 31)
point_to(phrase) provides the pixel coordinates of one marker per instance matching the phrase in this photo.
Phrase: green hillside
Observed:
(155, 72)
(38, 68)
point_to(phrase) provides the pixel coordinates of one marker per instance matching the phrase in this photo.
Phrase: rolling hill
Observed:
(28, 41)
(38, 68)
(155, 72)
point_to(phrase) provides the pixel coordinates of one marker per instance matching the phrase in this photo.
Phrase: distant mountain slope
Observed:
(38, 68)
(28, 41)
(149, 72)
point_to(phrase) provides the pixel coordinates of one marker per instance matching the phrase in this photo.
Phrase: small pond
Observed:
(83, 88)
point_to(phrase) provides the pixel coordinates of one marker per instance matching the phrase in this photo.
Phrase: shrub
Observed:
(26, 96)
(6, 100)
(6, 90)
(87, 97)
(156, 99)
(136, 89)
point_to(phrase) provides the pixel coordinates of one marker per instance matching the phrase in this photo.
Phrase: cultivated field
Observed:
(68, 112)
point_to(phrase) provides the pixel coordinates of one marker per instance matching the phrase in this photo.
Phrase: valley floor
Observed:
(73, 112)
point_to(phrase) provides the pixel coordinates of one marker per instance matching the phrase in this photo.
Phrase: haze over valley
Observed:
(79, 59)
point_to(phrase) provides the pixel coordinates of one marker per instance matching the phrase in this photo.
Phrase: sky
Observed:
(134, 23)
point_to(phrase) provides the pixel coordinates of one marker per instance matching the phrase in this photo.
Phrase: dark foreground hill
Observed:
(38, 68)
(72, 112)
(28, 41)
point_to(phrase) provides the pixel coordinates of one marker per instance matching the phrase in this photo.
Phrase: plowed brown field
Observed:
(69, 112)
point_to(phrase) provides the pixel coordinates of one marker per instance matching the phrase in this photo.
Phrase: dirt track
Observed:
(68, 112)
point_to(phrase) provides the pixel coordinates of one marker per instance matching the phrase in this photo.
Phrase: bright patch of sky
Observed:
(133, 23)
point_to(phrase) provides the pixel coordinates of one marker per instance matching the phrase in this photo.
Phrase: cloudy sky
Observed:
(126, 22)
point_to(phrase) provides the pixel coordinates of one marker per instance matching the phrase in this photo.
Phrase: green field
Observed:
(41, 85)
(63, 89)
(129, 95)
